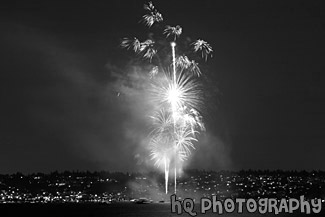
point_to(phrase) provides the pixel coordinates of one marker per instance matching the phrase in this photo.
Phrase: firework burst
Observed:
(152, 16)
(173, 31)
(184, 92)
(175, 93)
(203, 47)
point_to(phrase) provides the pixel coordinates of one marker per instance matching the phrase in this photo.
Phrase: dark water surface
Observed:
(118, 209)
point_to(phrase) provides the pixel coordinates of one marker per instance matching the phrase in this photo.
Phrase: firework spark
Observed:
(152, 16)
(184, 63)
(173, 31)
(204, 47)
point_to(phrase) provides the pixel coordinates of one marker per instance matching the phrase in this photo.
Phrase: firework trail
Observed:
(161, 143)
(176, 95)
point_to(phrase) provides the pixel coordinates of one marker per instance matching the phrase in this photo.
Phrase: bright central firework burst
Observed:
(175, 92)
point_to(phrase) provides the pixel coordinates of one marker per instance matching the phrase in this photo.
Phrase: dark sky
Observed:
(60, 64)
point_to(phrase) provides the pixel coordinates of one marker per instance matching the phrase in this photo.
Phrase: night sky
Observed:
(61, 67)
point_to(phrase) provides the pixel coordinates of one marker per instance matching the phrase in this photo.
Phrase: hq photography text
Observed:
(241, 205)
